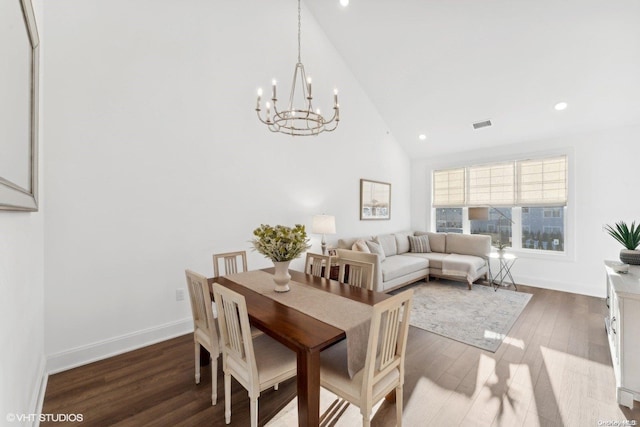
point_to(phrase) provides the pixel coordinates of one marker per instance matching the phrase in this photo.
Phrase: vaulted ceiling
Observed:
(435, 67)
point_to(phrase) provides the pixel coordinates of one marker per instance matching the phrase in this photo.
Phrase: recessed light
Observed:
(561, 106)
(344, 3)
(422, 137)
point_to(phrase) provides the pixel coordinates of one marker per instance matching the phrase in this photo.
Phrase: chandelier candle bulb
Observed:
(273, 82)
(309, 87)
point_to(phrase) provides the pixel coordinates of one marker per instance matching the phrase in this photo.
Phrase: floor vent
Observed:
(483, 124)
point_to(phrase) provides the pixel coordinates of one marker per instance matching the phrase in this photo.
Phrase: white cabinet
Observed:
(623, 329)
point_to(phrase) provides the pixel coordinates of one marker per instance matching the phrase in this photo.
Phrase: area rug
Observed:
(480, 317)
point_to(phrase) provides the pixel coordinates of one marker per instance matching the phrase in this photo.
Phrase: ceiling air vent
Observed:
(482, 124)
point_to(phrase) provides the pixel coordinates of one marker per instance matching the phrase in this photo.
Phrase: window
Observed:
(498, 226)
(543, 229)
(526, 200)
(449, 220)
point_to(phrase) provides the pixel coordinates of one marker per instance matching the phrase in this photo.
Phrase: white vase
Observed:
(282, 276)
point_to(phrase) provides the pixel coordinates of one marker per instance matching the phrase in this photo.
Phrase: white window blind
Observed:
(542, 182)
(491, 185)
(537, 182)
(448, 188)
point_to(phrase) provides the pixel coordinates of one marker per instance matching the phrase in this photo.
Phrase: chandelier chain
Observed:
(299, 30)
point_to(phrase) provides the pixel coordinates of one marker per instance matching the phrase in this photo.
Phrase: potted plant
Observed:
(281, 245)
(500, 246)
(630, 239)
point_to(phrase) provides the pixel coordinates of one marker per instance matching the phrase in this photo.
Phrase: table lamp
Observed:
(324, 224)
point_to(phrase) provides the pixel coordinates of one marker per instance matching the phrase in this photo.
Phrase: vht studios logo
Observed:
(52, 418)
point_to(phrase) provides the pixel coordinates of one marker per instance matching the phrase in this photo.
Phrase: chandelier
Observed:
(299, 119)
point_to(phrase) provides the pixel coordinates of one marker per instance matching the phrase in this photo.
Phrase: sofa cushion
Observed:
(401, 265)
(361, 246)
(375, 248)
(402, 242)
(468, 244)
(435, 258)
(419, 244)
(388, 243)
(348, 243)
(437, 241)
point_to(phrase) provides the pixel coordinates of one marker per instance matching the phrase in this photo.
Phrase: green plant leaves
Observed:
(280, 243)
(629, 237)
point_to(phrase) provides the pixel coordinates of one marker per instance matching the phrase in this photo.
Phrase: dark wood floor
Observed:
(554, 369)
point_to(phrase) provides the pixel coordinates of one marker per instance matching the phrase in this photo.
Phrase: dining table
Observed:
(305, 334)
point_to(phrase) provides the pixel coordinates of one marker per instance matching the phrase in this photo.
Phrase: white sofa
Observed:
(448, 255)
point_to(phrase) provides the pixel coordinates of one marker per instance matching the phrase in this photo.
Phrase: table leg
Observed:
(308, 383)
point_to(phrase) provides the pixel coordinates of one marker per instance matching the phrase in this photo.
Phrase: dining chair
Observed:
(314, 265)
(230, 260)
(204, 327)
(257, 363)
(359, 274)
(384, 365)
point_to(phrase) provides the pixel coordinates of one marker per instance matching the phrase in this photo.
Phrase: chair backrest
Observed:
(237, 345)
(200, 297)
(314, 263)
(387, 339)
(230, 262)
(360, 273)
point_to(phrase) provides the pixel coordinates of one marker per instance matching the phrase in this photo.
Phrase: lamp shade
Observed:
(323, 224)
(481, 214)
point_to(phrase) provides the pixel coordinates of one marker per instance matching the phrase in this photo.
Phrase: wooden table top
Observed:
(291, 327)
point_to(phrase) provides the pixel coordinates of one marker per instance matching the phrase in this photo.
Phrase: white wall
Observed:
(22, 361)
(155, 159)
(603, 180)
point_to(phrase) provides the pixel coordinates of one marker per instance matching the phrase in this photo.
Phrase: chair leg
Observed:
(254, 411)
(399, 406)
(197, 352)
(227, 398)
(214, 379)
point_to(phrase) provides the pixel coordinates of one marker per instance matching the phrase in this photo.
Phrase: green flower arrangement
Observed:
(280, 243)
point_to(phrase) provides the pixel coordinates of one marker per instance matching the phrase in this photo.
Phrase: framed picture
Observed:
(19, 107)
(375, 200)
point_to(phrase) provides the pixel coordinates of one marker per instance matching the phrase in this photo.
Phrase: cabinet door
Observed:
(615, 320)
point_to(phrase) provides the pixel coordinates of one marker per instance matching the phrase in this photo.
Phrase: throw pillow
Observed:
(361, 246)
(419, 244)
(376, 249)
(388, 243)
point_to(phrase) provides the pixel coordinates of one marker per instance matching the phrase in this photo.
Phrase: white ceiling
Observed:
(435, 67)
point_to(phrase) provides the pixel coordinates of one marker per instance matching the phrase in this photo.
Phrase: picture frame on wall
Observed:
(375, 200)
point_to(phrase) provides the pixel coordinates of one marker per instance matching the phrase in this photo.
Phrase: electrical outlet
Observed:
(179, 294)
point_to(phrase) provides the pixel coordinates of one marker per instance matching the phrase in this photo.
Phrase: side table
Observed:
(506, 262)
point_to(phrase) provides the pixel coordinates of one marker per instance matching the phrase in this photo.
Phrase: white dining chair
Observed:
(360, 273)
(204, 327)
(318, 265)
(383, 371)
(230, 262)
(257, 363)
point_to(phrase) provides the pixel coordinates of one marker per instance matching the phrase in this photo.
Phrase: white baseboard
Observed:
(574, 288)
(104, 349)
